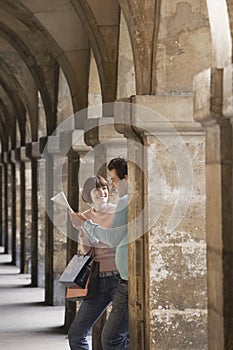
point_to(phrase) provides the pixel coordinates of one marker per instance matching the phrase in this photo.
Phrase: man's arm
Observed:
(111, 236)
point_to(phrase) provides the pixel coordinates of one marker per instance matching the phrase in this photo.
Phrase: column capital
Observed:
(153, 114)
(20, 154)
(73, 141)
(50, 144)
(33, 150)
(98, 130)
(4, 157)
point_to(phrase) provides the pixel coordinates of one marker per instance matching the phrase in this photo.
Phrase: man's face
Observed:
(120, 185)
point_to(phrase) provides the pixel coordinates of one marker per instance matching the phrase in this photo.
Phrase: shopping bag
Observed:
(76, 293)
(77, 271)
(90, 291)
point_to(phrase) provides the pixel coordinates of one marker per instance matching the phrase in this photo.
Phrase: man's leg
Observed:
(115, 332)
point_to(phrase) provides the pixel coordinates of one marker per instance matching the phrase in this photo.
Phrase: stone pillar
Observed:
(213, 108)
(74, 157)
(166, 262)
(55, 238)
(41, 230)
(1, 204)
(12, 161)
(5, 204)
(48, 193)
(71, 247)
(21, 158)
(100, 133)
(33, 153)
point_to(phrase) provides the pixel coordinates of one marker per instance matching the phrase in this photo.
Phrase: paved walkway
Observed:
(25, 323)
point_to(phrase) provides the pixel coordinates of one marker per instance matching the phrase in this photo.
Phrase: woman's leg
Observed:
(89, 312)
(87, 315)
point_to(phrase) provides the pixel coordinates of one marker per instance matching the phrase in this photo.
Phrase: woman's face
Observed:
(99, 196)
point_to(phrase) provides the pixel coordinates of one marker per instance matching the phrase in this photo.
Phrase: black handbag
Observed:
(77, 271)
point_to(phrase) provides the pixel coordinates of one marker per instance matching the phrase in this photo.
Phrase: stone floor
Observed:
(25, 322)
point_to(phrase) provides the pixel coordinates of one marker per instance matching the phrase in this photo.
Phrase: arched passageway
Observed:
(84, 81)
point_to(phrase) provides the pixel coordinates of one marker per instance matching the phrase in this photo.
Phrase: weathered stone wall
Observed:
(184, 45)
(175, 264)
(178, 273)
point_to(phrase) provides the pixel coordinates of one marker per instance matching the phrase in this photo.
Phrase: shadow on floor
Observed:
(26, 323)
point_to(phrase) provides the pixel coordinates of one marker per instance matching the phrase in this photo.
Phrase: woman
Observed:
(95, 193)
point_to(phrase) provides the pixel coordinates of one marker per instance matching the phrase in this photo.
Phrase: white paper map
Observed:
(61, 199)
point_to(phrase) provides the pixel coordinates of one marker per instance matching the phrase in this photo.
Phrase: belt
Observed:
(108, 274)
(123, 281)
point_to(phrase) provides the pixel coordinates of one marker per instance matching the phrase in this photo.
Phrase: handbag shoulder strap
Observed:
(91, 252)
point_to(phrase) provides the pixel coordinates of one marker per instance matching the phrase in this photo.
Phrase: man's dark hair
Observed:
(120, 165)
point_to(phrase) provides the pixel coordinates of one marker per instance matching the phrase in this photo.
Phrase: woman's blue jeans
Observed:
(89, 312)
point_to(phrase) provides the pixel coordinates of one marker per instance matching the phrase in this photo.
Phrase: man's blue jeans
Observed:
(89, 312)
(115, 333)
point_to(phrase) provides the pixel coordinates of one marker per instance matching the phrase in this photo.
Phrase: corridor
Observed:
(25, 323)
(83, 82)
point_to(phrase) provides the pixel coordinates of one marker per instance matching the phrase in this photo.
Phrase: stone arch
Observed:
(103, 34)
(20, 99)
(141, 19)
(35, 70)
(183, 46)
(94, 91)
(126, 85)
(64, 107)
(14, 107)
(220, 14)
(68, 60)
(4, 126)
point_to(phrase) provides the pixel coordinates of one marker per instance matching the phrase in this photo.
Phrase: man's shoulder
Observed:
(123, 198)
(122, 203)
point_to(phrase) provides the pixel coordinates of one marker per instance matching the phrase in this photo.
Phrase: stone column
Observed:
(5, 204)
(48, 192)
(101, 134)
(33, 153)
(12, 161)
(21, 158)
(1, 204)
(77, 150)
(167, 261)
(213, 108)
(55, 221)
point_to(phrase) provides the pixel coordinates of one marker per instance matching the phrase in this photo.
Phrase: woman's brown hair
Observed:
(91, 183)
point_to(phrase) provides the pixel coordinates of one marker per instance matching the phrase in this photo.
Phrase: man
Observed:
(115, 332)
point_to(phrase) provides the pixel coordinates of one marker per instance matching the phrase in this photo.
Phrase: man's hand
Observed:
(77, 220)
